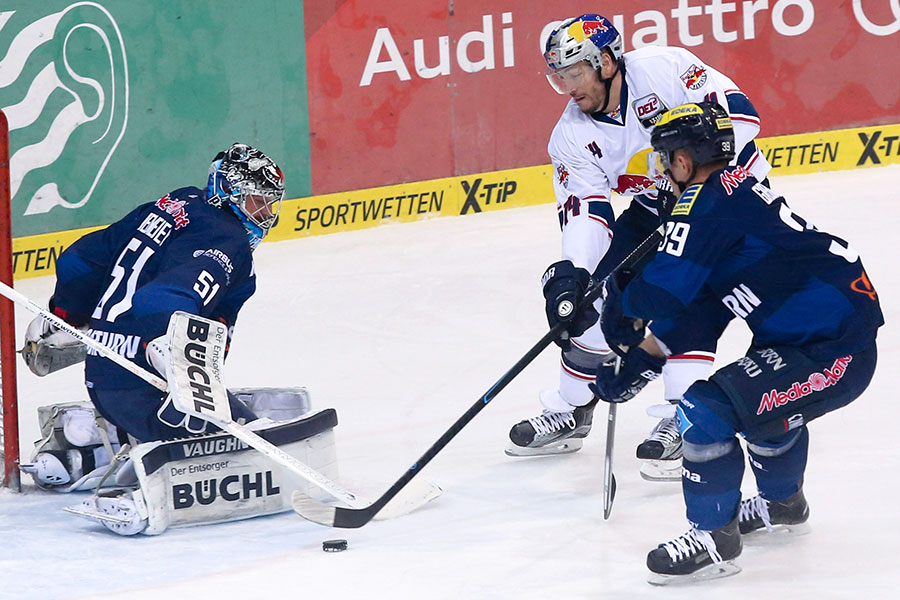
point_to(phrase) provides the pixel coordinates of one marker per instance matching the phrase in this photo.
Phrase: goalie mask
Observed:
(247, 182)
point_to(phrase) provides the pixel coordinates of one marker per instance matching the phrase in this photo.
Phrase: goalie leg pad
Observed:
(218, 478)
(277, 404)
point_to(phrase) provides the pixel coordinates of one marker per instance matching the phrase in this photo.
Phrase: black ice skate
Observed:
(697, 555)
(660, 453)
(551, 432)
(789, 515)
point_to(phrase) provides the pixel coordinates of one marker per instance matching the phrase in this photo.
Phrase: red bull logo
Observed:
(582, 30)
(632, 184)
(694, 78)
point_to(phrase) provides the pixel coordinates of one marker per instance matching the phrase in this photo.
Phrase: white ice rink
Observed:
(402, 328)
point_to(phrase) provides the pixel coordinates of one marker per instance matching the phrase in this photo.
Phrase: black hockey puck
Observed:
(334, 545)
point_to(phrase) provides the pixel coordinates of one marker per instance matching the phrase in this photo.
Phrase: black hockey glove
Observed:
(621, 332)
(638, 368)
(564, 286)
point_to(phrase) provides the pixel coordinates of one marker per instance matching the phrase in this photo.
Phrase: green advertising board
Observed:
(113, 103)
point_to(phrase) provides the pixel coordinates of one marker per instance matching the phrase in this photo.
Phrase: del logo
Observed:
(816, 383)
(694, 78)
(647, 106)
(732, 178)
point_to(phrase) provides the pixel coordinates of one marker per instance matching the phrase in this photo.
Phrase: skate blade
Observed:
(89, 513)
(565, 447)
(713, 571)
(779, 532)
(661, 470)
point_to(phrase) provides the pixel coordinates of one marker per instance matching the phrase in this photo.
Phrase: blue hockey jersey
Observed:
(734, 239)
(125, 281)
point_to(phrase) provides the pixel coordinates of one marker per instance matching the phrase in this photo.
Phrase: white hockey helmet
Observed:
(580, 39)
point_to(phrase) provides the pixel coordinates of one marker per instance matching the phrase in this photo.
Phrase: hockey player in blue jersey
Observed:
(190, 251)
(734, 248)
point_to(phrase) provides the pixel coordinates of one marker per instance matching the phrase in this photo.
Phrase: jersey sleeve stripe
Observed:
(575, 374)
(707, 356)
(740, 105)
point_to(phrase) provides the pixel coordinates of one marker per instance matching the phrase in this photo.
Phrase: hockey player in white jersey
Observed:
(615, 100)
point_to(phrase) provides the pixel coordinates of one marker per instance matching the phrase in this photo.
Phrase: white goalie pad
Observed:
(218, 478)
(73, 453)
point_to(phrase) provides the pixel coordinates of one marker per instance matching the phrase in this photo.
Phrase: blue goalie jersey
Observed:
(125, 281)
(735, 240)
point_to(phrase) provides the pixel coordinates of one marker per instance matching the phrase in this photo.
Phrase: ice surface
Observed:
(401, 329)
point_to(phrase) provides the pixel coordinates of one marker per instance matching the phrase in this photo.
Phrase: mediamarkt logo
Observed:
(816, 383)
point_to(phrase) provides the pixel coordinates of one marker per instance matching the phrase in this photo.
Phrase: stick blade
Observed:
(313, 510)
(415, 495)
(609, 498)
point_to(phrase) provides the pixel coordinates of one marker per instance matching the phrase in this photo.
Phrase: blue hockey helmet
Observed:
(579, 39)
(247, 182)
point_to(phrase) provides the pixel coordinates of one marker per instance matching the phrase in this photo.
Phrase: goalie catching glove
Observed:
(48, 349)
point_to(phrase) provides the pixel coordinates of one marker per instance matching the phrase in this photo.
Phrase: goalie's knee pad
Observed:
(277, 404)
(54, 468)
(75, 447)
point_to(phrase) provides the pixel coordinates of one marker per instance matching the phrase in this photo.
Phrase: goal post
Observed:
(9, 412)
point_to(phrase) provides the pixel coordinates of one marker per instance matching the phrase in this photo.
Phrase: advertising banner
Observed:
(403, 91)
(113, 103)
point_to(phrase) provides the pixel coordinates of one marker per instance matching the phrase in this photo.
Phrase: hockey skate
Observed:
(115, 509)
(551, 432)
(696, 556)
(660, 453)
(786, 516)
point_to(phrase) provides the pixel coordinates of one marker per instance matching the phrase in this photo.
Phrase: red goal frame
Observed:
(10, 411)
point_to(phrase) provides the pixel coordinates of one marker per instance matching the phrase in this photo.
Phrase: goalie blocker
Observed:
(216, 478)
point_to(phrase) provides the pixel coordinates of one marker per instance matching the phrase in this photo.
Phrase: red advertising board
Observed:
(402, 91)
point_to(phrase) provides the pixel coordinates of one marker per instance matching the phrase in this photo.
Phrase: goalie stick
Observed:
(351, 518)
(422, 494)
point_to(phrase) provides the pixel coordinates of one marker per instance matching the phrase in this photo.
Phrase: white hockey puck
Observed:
(334, 545)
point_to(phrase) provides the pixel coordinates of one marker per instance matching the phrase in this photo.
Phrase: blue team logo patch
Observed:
(684, 205)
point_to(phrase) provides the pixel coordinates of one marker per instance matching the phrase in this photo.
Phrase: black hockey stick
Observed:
(351, 518)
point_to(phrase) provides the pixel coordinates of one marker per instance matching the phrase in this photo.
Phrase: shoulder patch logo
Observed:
(684, 205)
(562, 175)
(694, 78)
(649, 109)
(174, 208)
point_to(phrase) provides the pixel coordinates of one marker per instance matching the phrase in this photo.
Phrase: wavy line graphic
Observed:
(53, 104)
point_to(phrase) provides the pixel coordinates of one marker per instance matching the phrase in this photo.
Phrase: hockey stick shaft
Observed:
(242, 433)
(352, 518)
(609, 478)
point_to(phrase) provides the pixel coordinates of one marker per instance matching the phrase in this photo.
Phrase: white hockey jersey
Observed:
(591, 153)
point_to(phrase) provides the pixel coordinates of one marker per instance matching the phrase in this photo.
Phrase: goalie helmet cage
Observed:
(9, 432)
